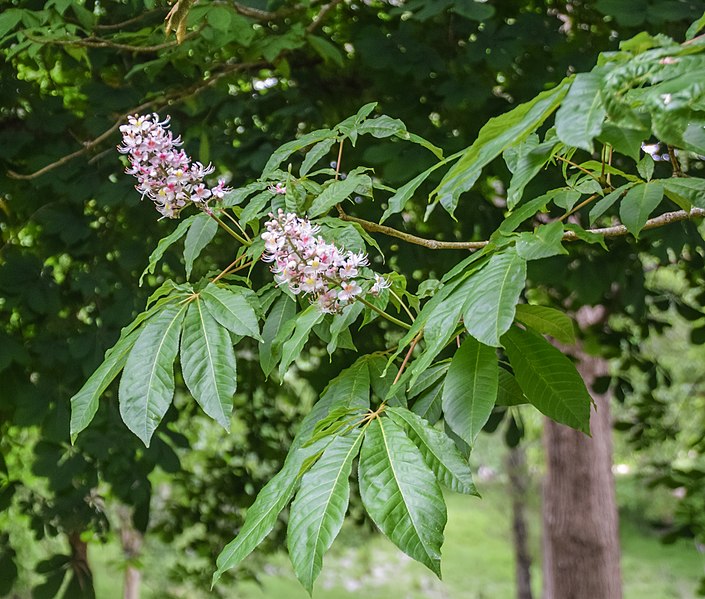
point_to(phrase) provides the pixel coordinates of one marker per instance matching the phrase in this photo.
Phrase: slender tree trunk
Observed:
(131, 540)
(581, 535)
(518, 484)
(79, 562)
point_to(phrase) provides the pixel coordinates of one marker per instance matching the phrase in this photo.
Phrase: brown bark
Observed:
(518, 485)
(79, 561)
(581, 531)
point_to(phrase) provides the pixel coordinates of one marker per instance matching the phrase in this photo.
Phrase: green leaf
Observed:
(381, 127)
(283, 310)
(341, 322)
(509, 392)
(317, 152)
(165, 243)
(400, 493)
(547, 321)
(545, 241)
(441, 322)
(496, 136)
(470, 389)
(606, 203)
(336, 192)
(529, 160)
(493, 295)
(208, 363)
(231, 309)
(645, 167)
(523, 212)
(350, 390)
(291, 349)
(9, 19)
(200, 233)
(327, 51)
(255, 207)
(263, 513)
(84, 404)
(147, 383)
(316, 515)
(402, 195)
(548, 379)
(287, 149)
(438, 450)
(625, 140)
(580, 117)
(692, 189)
(695, 28)
(640, 201)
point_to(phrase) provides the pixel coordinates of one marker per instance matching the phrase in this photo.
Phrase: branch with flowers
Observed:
(474, 342)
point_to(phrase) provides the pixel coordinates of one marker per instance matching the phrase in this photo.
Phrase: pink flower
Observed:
(164, 173)
(307, 264)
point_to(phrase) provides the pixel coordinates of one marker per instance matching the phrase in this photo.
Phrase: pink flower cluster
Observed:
(308, 264)
(164, 173)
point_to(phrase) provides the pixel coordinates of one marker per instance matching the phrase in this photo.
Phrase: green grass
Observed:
(477, 563)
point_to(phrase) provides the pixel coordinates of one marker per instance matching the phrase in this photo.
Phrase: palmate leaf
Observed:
(231, 309)
(493, 295)
(548, 379)
(84, 404)
(496, 136)
(525, 162)
(438, 450)
(509, 392)
(208, 363)
(470, 389)
(401, 494)
(147, 384)
(317, 513)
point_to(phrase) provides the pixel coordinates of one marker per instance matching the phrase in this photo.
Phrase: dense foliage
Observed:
(237, 79)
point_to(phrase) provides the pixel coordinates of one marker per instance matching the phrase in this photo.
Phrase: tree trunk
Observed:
(581, 535)
(518, 484)
(79, 563)
(131, 540)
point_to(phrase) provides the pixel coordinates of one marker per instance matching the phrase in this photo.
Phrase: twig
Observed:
(674, 162)
(173, 97)
(406, 357)
(110, 26)
(579, 206)
(580, 168)
(615, 231)
(255, 13)
(318, 19)
(96, 42)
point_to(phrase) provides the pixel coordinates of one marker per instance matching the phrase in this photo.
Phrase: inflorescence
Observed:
(309, 265)
(164, 173)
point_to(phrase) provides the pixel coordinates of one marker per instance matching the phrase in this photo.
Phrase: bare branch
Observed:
(433, 244)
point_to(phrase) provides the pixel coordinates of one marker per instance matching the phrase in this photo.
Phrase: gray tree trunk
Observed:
(581, 550)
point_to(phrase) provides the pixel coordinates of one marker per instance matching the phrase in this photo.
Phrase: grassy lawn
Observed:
(477, 563)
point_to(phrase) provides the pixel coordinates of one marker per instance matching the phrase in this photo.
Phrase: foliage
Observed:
(648, 91)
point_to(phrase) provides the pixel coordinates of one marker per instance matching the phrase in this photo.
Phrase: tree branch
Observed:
(614, 231)
(97, 42)
(319, 18)
(172, 98)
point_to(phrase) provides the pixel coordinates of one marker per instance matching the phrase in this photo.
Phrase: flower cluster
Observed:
(308, 264)
(165, 174)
